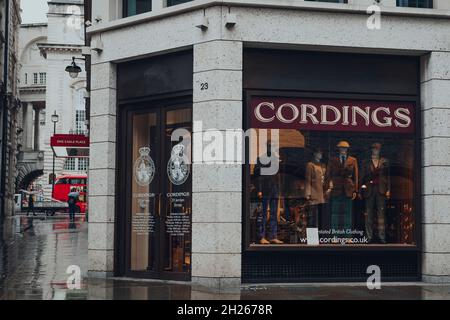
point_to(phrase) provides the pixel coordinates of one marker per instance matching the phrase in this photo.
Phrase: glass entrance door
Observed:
(158, 210)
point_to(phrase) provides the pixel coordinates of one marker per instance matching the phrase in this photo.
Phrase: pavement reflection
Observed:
(35, 256)
(37, 251)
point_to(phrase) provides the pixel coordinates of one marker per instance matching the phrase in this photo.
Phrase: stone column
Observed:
(217, 188)
(435, 93)
(102, 170)
(28, 126)
(36, 127)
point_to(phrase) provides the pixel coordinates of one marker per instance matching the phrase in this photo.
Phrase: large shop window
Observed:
(344, 172)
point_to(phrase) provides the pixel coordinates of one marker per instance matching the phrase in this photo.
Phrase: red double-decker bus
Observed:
(65, 183)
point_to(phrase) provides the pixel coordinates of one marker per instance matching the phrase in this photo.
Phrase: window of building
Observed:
(35, 78)
(69, 165)
(80, 112)
(338, 172)
(415, 3)
(134, 7)
(26, 78)
(333, 1)
(80, 121)
(83, 164)
(175, 2)
(77, 164)
(42, 77)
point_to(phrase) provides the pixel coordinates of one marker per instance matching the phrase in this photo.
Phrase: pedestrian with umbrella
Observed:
(72, 202)
(31, 203)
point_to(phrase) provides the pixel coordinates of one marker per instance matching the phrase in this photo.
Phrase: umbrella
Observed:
(74, 194)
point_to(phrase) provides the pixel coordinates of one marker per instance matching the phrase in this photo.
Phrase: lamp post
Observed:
(73, 69)
(55, 119)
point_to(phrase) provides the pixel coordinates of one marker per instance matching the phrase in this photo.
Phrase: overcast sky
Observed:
(34, 11)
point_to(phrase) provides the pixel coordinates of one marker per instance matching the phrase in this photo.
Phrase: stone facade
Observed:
(102, 171)
(301, 25)
(435, 88)
(47, 49)
(217, 188)
(9, 105)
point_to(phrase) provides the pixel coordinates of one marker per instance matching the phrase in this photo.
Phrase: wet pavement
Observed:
(36, 253)
(34, 258)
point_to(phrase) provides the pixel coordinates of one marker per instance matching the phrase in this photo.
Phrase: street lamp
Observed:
(73, 69)
(55, 119)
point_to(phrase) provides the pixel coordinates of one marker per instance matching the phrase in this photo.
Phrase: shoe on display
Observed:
(276, 241)
(263, 241)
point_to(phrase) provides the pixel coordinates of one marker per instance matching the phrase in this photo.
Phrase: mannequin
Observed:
(342, 181)
(375, 189)
(268, 193)
(314, 183)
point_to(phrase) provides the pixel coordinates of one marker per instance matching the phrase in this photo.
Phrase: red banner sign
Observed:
(332, 115)
(69, 141)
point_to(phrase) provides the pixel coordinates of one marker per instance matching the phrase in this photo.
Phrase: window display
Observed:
(345, 170)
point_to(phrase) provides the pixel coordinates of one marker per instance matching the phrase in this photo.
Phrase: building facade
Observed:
(32, 88)
(9, 104)
(46, 89)
(351, 100)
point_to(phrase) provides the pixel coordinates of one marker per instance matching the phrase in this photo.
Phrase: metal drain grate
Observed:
(326, 266)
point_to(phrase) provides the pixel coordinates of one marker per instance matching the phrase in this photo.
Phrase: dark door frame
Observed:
(162, 103)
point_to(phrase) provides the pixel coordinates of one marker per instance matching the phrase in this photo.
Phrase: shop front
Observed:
(154, 233)
(346, 192)
(341, 132)
(356, 121)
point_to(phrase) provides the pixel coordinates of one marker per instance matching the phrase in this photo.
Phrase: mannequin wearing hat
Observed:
(375, 189)
(314, 186)
(342, 181)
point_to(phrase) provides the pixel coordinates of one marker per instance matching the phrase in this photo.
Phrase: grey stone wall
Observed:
(217, 188)
(217, 207)
(102, 170)
(435, 91)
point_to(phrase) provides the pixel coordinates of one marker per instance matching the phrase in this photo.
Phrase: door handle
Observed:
(158, 212)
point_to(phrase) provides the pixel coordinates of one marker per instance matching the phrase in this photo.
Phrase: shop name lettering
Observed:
(73, 142)
(269, 114)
